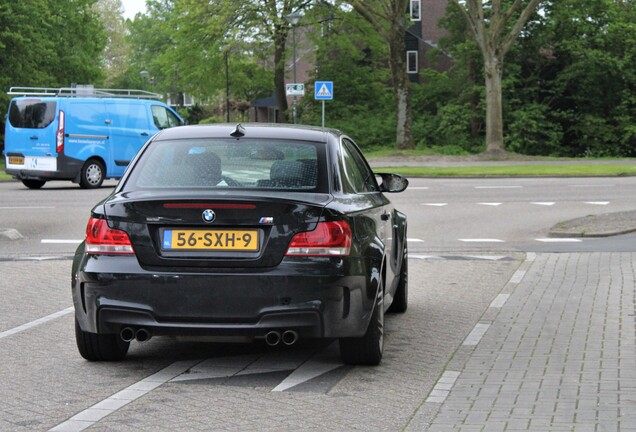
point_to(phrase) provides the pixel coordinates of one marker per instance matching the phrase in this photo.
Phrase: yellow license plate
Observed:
(212, 240)
(16, 160)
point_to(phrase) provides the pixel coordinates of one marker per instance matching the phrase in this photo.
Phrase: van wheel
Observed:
(92, 175)
(33, 184)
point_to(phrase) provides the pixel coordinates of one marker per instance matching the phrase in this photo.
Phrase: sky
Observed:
(131, 7)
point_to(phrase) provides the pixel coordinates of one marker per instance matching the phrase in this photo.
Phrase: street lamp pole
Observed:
(227, 86)
(294, 58)
(293, 19)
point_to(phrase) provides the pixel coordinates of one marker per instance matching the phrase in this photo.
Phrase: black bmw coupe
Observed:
(246, 232)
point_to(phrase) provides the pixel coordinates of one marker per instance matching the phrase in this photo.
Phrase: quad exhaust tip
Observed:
(288, 337)
(127, 334)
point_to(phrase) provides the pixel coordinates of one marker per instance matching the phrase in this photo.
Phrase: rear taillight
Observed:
(59, 136)
(328, 239)
(101, 239)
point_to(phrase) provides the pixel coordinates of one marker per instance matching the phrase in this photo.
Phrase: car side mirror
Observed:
(392, 182)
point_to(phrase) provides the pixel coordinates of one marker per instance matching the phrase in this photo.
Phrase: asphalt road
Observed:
(468, 239)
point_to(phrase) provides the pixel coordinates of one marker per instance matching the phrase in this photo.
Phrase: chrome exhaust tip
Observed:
(289, 337)
(127, 334)
(142, 335)
(272, 338)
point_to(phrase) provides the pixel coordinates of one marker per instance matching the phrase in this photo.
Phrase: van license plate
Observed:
(211, 240)
(16, 160)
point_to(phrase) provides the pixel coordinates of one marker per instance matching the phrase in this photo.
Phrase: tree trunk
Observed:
(279, 74)
(494, 112)
(402, 89)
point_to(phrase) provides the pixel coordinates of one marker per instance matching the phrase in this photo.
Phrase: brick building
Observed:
(423, 36)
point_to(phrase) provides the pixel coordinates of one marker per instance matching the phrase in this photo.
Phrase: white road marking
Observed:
(475, 336)
(517, 277)
(499, 301)
(53, 241)
(35, 323)
(559, 240)
(599, 203)
(92, 415)
(498, 187)
(443, 387)
(414, 240)
(543, 203)
(434, 204)
(325, 361)
(481, 240)
(493, 204)
(486, 257)
(418, 187)
(426, 257)
(27, 208)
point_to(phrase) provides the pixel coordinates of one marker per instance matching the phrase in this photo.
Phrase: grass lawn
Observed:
(578, 170)
(603, 168)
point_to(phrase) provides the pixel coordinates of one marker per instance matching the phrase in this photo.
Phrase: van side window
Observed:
(164, 118)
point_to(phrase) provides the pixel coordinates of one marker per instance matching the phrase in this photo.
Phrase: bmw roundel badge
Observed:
(208, 215)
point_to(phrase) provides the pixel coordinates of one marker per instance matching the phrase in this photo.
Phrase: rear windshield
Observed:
(31, 113)
(223, 164)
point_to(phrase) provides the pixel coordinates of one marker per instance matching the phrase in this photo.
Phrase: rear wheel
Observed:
(100, 347)
(33, 184)
(401, 297)
(92, 175)
(366, 350)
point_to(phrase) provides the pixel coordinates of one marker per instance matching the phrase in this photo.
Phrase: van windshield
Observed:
(31, 113)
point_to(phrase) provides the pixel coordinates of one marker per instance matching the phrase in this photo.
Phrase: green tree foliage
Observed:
(352, 55)
(570, 85)
(117, 51)
(389, 19)
(49, 43)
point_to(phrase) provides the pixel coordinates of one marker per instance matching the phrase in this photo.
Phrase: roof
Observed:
(250, 130)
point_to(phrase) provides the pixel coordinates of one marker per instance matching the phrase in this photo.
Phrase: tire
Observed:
(401, 297)
(92, 174)
(366, 350)
(33, 184)
(100, 347)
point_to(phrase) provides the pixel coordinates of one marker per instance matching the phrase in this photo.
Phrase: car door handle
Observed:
(34, 137)
(144, 134)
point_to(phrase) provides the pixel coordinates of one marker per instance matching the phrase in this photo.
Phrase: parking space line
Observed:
(95, 413)
(517, 277)
(35, 323)
(482, 240)
(499, 301)
(325, 361)
(443, 387)
(62, 241)
(476, 334)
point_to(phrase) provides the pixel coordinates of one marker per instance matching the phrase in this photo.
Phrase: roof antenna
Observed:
(238, 132)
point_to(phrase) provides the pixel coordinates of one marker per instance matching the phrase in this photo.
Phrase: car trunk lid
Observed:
(225, 231)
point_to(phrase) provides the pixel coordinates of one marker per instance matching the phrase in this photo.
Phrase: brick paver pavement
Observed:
(559, 355)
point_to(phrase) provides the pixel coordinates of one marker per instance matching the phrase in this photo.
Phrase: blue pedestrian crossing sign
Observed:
(323, 90)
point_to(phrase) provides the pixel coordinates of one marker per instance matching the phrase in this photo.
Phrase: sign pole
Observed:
(323, 90)
(323, 113)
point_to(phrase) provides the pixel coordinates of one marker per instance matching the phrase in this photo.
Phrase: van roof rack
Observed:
(83, 91)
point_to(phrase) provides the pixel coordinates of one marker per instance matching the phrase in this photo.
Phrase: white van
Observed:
(84, 135)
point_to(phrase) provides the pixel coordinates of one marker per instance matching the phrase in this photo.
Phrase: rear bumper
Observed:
(320, 299)
(67, 169)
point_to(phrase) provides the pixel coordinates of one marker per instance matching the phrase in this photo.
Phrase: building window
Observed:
(416, 10)
(411, 62)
